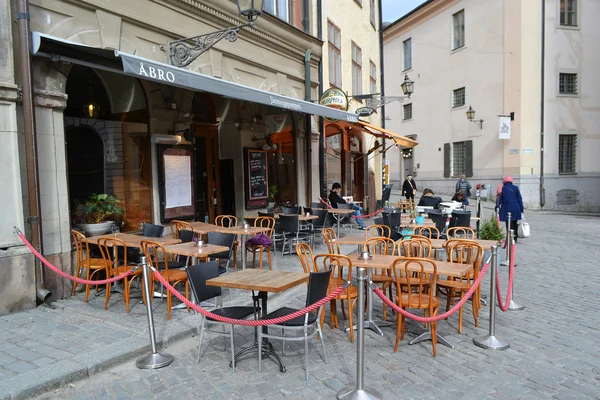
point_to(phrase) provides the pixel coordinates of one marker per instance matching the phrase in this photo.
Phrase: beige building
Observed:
(492, 56)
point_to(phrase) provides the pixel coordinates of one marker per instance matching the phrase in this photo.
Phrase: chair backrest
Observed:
(345, 206)
(460, 218)
(318, 283)
(266, 222)
(288, 223)
(177, 225)
(428, 231)
(290, 210)
(387, 192)
(306, 257)
(379, 221)
(439, 219)
(416, 247)
(112, 259)
(322, 214)
(186, 235)
(394, 220)
(226, 221)
(417, 275)
(330, 237)
(317, 204)
(307, 210)
(390, 210)
(340, 265)
(465, 252)
(380, 245)
(198, 275)
(153, 230)
(378, 230)
(155, 253)
(222, 239)
(266, 214)
(82, 247)
(460, 232)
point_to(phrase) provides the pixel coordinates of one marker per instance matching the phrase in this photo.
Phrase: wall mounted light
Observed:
(166, 139)
(471, 117)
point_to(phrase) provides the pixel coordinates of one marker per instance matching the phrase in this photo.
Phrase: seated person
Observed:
(428, 199)
(461, 198)
(335, 198)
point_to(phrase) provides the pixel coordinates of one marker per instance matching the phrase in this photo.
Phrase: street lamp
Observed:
(183, 53)
(374, 101)
(407, 86)
(471, 117)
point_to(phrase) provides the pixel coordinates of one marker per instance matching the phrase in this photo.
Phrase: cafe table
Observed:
(358, 240)
(377, 261)
(243, 232)
(203, 228)
(340, 213)
(263, 281)
(441, 243)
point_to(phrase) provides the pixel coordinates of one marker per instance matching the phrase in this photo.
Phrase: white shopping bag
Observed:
(524, 230)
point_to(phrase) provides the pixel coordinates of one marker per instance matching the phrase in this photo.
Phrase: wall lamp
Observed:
(471, 117)
(165, 139)
(183, 53)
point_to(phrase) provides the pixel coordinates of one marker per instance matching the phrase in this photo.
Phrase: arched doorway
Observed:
(85, 161)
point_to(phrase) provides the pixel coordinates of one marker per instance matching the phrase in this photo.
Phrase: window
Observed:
(567, 145)
(373, 77)
(407, 111)
(407, 45)
(567, 83)
(458, 159)
(459, 97)
(372, 10)
(458, 30)
(568, 12)
(356, 69)
(288, 10)
(335, 54)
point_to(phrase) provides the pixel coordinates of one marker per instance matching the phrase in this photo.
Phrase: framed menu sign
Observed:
(256, 178)
(176, 182)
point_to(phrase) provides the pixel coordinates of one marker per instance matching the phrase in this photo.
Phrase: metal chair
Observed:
(345, 220)
(296, 210)
(318, 204)
(222, 239)
(291, 232)
(153, 230)
(316, 228)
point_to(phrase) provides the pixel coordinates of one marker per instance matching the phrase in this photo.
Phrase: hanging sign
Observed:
(364, 111)
(334, 98)
(504, 127)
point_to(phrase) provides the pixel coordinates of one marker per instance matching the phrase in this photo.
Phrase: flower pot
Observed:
(97, 229)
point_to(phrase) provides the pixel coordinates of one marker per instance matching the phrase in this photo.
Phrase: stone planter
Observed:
(97, 229)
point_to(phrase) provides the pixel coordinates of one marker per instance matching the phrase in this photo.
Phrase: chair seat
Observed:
(283, 311)
(419, 301)
(256, 247)
(381, 278)
(97, 263)
(301, 235)
(175, 275)
(456, 285)
(121, 269)
(233, 312)
(173, 265)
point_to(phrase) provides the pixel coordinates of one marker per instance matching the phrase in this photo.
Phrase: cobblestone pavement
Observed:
(553, 342)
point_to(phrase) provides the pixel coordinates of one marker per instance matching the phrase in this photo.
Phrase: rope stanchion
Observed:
(513, 305)
(490, 341)
(505, 306)
(64, 274)
(250, 322)
(507, 241)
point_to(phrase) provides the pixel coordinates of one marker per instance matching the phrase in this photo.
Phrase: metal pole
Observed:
(154, 360)
(490, 341)
(513, 306)
(509, 238)
(478, 213)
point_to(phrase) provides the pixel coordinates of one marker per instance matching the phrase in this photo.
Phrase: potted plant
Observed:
(490, 230)
(272, 195)
(99, 213)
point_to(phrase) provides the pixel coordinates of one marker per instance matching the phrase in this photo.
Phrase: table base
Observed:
(350, 392)
(374, 326)
(427, 336)
(267, 351)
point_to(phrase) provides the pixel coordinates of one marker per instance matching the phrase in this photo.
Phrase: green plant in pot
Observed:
(99, 213)
(490, 230)
(272, 195)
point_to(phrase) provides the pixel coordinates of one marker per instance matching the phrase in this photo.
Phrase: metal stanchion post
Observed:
(490, 341)
(478, 212)
(509, 238)
(154, 360)
(358, 391)
(513, 306)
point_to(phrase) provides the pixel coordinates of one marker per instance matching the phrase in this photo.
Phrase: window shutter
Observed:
(469, 158)
(446, 160)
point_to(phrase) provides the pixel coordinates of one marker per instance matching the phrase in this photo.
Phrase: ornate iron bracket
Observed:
(378, 101)
(182, 53)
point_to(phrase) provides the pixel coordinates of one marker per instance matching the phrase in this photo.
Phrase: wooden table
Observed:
(203, 228)
(301, 217)
(263, 281)
(243, 232)
(441, 243)
(339, 212)
(190, 249)
(132, 240)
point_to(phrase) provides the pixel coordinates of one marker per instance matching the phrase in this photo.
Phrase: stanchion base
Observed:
(515, 306)
(491, 342)
(154, 361)
(350, 392)
(504, 263)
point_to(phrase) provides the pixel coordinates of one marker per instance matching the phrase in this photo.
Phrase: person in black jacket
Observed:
(429, 200)
(409, 187)
(335, 199)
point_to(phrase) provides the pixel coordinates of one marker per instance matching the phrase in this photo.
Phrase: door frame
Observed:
(210, 133)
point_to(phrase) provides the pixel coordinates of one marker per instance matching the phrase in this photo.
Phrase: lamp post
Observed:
(182, 52)
(471, 117)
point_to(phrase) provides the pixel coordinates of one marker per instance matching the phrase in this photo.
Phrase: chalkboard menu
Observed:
(257, 181)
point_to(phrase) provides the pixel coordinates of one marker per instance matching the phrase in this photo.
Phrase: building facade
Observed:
(534, 60)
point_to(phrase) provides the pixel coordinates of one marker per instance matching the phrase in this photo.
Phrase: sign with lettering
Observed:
(364, 111)
(257, 180)
(334, 98)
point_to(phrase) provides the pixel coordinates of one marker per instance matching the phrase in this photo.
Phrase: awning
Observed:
(63, 50)
(384, 133)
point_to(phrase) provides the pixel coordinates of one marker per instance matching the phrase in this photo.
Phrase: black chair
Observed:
(390, 210)
(387, 192)
(222, 239)
(318, 224)
(317, 289)
(291, 210)
(291, 232)
(152, 230)
(460, 218)
(394, 222)
(439, 219)
(317, 204)
(197, 277)
(345, 220)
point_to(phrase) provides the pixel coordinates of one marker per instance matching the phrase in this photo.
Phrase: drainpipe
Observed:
(33, 189)
(542, 188)
(322, 138)
(306, 19)
(382, 90)
(308, 127)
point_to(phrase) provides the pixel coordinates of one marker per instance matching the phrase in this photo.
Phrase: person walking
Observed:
(464, 185)
(335, 199)
(409, 188)
(511, 202)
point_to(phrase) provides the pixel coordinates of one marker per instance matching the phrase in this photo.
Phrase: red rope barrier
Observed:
(248, 322)
(64, 274)
(437, 317)
(504, 306)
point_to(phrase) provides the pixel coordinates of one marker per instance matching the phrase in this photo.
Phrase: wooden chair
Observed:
(460, 232)
(428, 231)
(177, 225)
(154, 252)
(227, 221)
(337, 263)
(417, 296)
(378, 230)
(117, 265)
(464, 252)
(330, 237)
(306, 257)
(383, 276)
(416, 247)
(262, 222)
(407, 204)
(92, 266)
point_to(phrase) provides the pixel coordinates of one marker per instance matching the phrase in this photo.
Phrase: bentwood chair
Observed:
(197, 276)
(330, 238)
(383, 276)
(306, 257)
(318, 282)
(116, 263)
(93, 266)
(417, 247)
(419, 275)
(177, 225)
(378, 230)
(460, 232)
(262, 222)
(227, 221)
(277, 234)
(154, 252)
(431, 232)
(464, 252)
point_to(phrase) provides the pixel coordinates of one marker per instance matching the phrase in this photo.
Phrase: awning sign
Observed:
(334, 98)
(504, 128)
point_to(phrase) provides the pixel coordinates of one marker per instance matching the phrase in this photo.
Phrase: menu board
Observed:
(257, 181)
(176, 181)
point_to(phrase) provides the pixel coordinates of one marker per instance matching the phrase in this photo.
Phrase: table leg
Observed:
(243, 249)
(369, 322)
(427, 336)
(338, 225)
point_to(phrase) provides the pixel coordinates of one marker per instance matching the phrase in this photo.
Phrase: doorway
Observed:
(208, 172)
